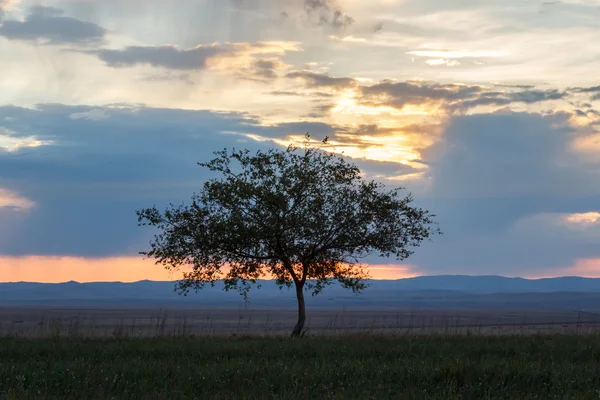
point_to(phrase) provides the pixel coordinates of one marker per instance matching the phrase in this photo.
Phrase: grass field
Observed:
(349, 367)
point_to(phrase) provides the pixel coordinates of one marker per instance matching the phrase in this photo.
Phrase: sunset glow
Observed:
(121, 269)
(587, 268)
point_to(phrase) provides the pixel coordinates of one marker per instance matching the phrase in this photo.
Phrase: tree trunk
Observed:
(301, 310)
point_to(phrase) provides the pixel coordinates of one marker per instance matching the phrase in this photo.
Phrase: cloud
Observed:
(321, 13)
(302, 94)
(320, 110)
(162, 56)
(385, 153)
(266, 68)
(527, 96)
(583, 219)
(535, 96)
(349, 39)
(456, 53)
(103, 163)
(46, 25)
(508, 154)
(6, 4)
(507, 190)
(329, 13)
(97, 171)
(318, 80)
(196, 58)
(509, 195)
(593, 91)
(453, 97)
(263, 69)
(400, 94)
(10, 142)
(442, 61)
(14, 201)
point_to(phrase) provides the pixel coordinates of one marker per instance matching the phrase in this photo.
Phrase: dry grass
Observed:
(149, 323)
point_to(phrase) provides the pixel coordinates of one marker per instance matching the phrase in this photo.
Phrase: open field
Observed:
(350, 367)
(153, 322)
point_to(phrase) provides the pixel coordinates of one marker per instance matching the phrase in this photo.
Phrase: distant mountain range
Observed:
(450, 291)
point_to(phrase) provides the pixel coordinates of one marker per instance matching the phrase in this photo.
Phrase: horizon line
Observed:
(272, 280)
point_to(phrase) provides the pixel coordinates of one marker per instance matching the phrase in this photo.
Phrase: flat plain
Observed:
(152, 322)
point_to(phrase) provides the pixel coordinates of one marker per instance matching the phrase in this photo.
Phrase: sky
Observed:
(487, 112)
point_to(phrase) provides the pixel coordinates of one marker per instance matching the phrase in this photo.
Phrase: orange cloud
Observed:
(586, 268)
(392, 271)
(47, 269)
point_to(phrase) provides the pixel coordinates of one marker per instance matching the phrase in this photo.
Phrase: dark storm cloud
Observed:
(47, 24)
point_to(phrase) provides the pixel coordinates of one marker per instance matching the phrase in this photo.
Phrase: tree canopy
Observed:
(301, 215)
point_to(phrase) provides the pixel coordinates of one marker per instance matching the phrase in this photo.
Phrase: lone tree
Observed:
(302, 216)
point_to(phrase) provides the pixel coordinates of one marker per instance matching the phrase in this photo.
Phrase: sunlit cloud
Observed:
(11, 143)
(392, 149)
(350, 39)
(442, 61)
(584, 218)
(12, 200)
(588, 146)
(8, 5)
(456, 54)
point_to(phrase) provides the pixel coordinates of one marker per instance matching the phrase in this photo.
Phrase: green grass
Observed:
(460, 367)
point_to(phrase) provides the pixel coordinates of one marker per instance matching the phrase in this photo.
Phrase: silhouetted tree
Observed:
(303, 216)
